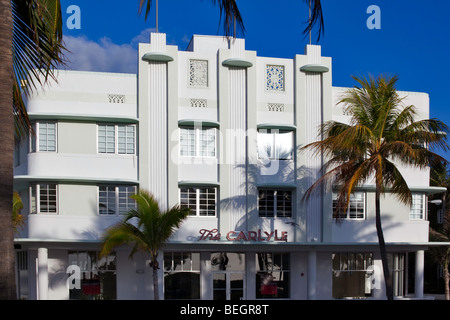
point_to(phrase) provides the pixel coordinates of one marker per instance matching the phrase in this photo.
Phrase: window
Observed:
(417, 207)
(198, 142)
(201, 201)
(352, 274)
(275, 203)
(181, 275)
(275, 144)
(396, 263)
(115, 199)
(45, 139)
(272, 275)
(356, 207)
(43, 198)
(116, 139)
(98, 276)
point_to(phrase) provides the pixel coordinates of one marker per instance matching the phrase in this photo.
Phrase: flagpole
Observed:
(309, 21)
(157, 16)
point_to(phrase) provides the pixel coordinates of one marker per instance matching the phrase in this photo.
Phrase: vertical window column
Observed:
(417, 209)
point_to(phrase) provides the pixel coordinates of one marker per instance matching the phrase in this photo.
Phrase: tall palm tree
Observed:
(381, 134)
(30, 46)
(7, 279)
(146, 229)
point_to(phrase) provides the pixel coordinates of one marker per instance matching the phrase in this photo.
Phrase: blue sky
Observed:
(413, 42)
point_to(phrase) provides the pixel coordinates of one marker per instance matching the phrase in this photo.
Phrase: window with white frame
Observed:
(201, 200)
(181, 275)
(113, 200)
(275, 203)
(197, 142)
(43, 198)
(45, 138)
(352, 274)
(97, 275)
(272, 275)
(356, 208)
(417, 210)
(275, 144)
(116, 139)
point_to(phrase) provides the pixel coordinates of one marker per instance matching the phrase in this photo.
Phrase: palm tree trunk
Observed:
(7, 259)
(382, 245)
(155, 266)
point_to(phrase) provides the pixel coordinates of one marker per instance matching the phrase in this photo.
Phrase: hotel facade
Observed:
(215, 128)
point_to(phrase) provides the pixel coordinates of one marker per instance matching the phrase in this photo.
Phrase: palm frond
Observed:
(394, 180)
(316, 18)
(146, 228)
(37, 51)
(119, 234)
(381, 129)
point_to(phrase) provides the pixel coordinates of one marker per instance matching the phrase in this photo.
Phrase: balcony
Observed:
(78, 167)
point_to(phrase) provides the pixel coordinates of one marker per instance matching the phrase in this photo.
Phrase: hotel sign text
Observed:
(256, 236)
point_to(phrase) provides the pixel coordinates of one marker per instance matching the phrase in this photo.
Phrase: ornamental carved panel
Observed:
(116, 98)
(274, 78)
(198, 103)
(275, 107)
(198, 73)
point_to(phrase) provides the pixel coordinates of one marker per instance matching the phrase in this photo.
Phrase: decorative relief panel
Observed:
(199, 103)
(198, 73)
(275, 107)
(116, 98)
(275, 78)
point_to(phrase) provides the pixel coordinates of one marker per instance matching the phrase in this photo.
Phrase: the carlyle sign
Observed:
(256, 236)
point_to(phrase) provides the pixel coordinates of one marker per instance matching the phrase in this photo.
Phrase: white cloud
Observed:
(104, 56)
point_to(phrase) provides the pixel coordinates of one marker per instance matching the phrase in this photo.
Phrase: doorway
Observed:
(228, 275)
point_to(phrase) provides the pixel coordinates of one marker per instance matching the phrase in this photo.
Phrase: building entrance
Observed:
(228, 275)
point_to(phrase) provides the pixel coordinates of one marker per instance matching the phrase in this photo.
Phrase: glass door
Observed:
(228, 285)
(228, 276)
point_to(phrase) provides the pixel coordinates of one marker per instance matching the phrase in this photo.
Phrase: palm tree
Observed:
(382, 133)
(146, 229)
(30, 46)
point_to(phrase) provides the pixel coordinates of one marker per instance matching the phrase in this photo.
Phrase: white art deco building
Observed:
(216, 128)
